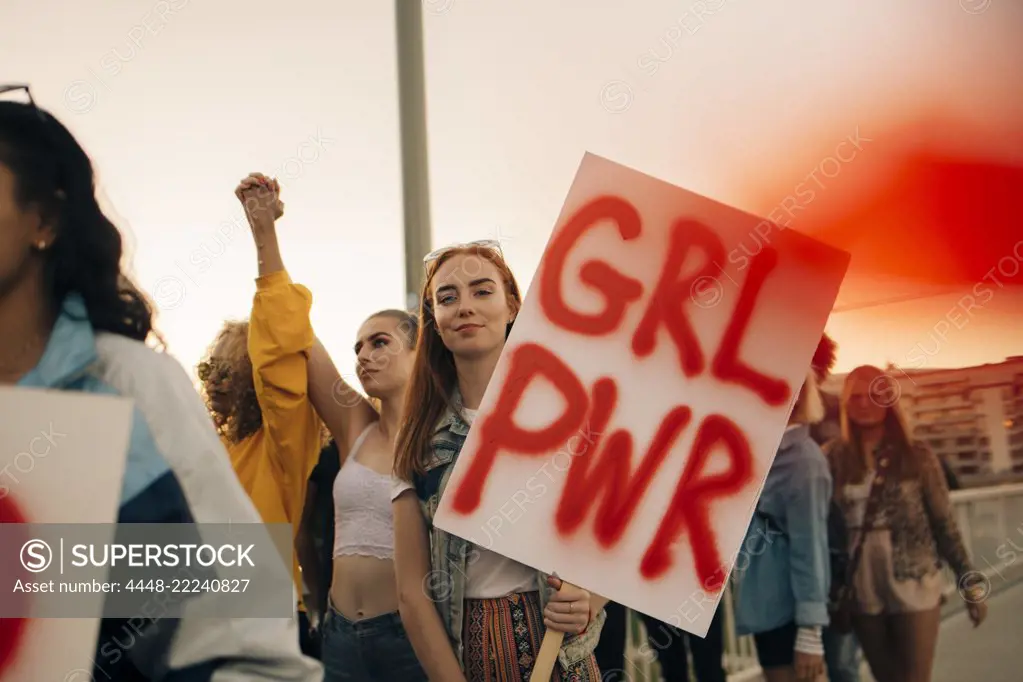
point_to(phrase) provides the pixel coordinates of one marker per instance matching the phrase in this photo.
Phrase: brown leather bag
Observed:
(843, 601)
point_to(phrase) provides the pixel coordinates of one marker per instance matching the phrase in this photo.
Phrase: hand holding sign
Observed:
(631, 425)
(568, 610)
(564, 599)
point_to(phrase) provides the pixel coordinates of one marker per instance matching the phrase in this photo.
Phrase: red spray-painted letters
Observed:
(602, 473)
(670, 297)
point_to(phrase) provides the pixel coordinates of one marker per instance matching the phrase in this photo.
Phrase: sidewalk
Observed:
(990, 653)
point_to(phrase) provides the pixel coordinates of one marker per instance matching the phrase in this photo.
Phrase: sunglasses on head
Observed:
(16, 87)
(21, 87)
(488, 244)
(213, 369)
(49, 133)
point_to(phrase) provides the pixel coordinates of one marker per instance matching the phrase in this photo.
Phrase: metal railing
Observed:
(988, 518)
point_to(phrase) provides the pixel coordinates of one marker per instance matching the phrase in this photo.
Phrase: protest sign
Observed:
(636, 409)
(62, 460)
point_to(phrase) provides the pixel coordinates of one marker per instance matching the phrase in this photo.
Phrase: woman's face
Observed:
(20, 230)
(384, 356)
(470, 306)
(868, 401)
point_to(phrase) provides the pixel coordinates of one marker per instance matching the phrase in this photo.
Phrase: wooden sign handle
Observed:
(547, 657)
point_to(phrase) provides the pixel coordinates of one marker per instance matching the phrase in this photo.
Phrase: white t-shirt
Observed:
(488, 575)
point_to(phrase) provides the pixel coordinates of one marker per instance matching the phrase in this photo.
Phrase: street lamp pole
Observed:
(414, 165)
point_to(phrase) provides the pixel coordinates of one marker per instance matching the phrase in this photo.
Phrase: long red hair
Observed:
(434, 377)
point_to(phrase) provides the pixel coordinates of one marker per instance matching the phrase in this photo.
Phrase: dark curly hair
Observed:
(824, 358)
(53, 172)
(244, 417)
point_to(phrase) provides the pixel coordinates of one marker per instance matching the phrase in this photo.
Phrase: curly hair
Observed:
(824, 358)
(53, 173)
(244, 416)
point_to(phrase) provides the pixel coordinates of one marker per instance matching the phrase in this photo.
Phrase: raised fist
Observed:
(260, 196)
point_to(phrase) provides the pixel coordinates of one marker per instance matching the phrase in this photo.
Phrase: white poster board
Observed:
(62, 460)
(636, 409)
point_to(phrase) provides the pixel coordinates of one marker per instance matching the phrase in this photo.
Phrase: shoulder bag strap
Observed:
(870, 513)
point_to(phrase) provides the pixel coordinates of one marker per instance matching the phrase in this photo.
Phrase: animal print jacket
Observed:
(917, 512)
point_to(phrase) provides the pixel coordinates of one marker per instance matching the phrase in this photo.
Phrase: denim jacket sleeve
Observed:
(807, 501)
(575, 648)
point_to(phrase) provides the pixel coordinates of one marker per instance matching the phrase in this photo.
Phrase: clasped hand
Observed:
(261, 198)
(568, 609)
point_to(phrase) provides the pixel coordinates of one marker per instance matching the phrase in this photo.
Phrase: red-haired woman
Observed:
(471, 614)
(896, 504)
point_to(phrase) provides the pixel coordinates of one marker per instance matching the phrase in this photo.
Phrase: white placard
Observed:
(62, 460)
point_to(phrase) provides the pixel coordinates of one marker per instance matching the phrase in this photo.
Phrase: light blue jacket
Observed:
(177, 471)
(783, 568)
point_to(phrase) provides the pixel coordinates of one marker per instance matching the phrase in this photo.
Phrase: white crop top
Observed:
(363, 522)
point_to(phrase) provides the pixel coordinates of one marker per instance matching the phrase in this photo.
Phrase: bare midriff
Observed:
(363, 586)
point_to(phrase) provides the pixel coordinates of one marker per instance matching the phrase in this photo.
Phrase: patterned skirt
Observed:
(502, 639)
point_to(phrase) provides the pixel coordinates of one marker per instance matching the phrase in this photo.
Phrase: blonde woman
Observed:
(896, 504)
(363, 637)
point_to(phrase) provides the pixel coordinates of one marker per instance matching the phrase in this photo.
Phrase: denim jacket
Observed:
(783, 568)
(450, 555)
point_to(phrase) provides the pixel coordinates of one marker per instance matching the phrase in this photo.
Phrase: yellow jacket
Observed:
(274, 463)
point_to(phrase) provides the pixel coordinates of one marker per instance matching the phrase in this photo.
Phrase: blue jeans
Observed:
(842, 656)
(370, 650)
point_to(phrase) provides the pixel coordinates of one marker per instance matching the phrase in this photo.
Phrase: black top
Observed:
(322, 525)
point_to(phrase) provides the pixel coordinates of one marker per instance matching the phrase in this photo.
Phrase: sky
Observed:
(177, 100)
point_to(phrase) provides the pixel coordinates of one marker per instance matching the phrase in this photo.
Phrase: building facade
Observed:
(972, 417)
